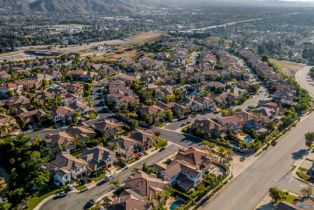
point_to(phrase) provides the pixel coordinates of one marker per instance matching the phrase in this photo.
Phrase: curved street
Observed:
(249, 188)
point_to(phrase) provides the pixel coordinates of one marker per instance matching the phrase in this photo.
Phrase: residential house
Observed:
(225, 99)
(147, 185)
(182, 174)
(195, 157)
(203, 104)
(98, 158)
(17, 88)
(208, 126)
(17, 102)
(32, 117)
(239, 121)
(151, 114)
(124, 147)
(145, 138)
(62, 114)
(75, 88)
(4, 76)
(66, 168)
(81, 106)
(81, 132)
(162, 93)
(80, 75)
(7, 124)
(128, 200)
(63, 140)
(107, 127)
(249, 120)
(237, 92)
(230, 123)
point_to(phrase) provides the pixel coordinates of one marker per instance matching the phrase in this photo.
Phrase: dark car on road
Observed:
(162, 149)
(89, 204)
(60, 195)
(83, 190)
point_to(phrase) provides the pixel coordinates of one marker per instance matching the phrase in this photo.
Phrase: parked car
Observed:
(101, 182)
(89, 204)
(61, 194)
(273, 143)
(70, 187)
(162, 149)
(83, 190)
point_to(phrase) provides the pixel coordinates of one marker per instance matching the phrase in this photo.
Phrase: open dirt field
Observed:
(288, 68)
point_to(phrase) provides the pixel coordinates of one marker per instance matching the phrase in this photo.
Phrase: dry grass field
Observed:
(288, 68)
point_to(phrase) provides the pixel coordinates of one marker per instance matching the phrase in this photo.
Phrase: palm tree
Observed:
(135, 170)
(115, 183)
(159, 203)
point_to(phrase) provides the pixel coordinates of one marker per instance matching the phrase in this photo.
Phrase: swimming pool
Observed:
(247, 139)
(234, 144)
(304, 206)
(176, 205)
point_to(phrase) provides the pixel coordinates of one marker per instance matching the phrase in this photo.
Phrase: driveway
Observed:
(78, 200)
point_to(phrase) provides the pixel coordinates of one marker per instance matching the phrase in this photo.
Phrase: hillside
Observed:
(105, 7)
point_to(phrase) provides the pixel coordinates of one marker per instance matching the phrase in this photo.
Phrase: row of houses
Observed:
(233, 123)
(282, 91)
(125, 147)
(185, 172)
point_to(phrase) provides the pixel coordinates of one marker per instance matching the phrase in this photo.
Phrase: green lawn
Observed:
(161, 143)
(290, 198)
(92, 116)
(99, 177)
(81, 187)
(34, 201)
(161, 125)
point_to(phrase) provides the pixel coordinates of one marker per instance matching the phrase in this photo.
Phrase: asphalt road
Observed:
(78, 200)
(249, 188)
(261, 95)
(305, 80)
(182, 139)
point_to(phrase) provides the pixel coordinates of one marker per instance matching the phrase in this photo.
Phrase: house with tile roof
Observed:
(81, 132)
(66, 168)
(124, 147)
(145, 138)
(147, 185)
(98, 158)
(62, 114)
(63, 140)
(107, 127)
(128, 200)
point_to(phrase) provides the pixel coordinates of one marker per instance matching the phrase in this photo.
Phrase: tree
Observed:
(169, 115)
(27, 161)
(307, 191)
(265, 58)
(309, 137)
(76, 117)
(278, 194)
(135, 124)
(115, 183)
